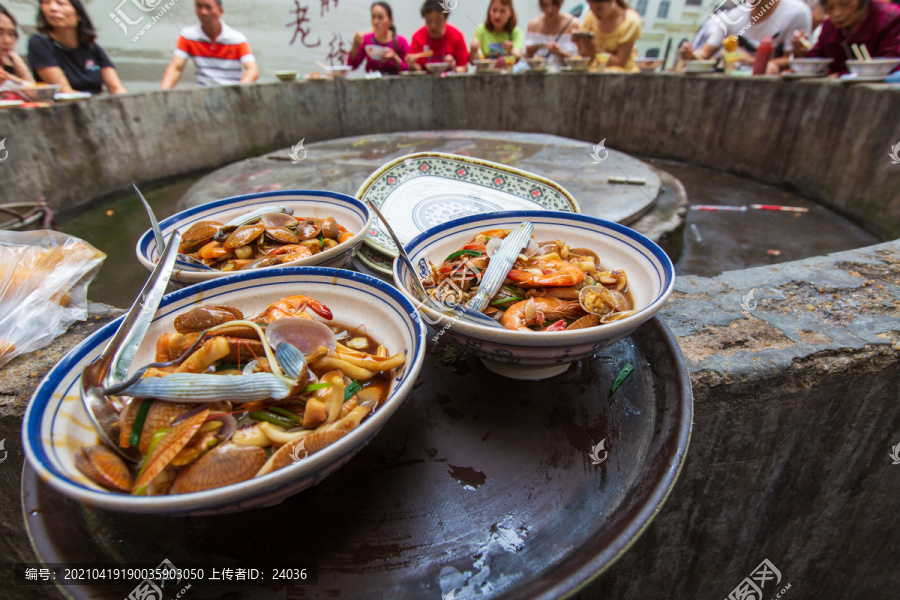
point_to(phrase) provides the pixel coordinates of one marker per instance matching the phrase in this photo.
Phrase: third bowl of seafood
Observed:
(245, 390)
(258, 231)
(579, 285)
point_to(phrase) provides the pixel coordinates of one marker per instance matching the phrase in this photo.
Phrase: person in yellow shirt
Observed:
(611, 26)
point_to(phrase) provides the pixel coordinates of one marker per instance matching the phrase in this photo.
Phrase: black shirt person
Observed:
(64, 51)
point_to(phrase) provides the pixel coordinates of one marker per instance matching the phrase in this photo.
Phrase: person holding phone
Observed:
(613, 27)
(549, 34)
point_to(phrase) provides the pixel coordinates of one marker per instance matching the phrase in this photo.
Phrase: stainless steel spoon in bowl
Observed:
(458, 311)
(190, 262)
(120, 351)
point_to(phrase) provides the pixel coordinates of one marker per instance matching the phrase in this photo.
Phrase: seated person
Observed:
(384, 35)
(873, 23)
(64, 52)
(445, 42)
(777, 19)
(818, 17)
(498, 35)
(611, 26)
(219, 52)
(12, 63)
(548, 34)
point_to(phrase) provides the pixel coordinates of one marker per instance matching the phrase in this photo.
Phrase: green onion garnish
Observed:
(315, 386)
(351, 389)
(321, 238)
(505, 300)
(623, 375)
(459, 253)
(270, 417)
(135, 438)
(284, 413)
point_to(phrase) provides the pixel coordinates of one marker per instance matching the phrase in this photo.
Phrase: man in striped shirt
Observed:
(221, 54)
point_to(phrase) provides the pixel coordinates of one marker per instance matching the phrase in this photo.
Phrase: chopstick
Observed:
(857, 53)
(865, 52)
(417, 56)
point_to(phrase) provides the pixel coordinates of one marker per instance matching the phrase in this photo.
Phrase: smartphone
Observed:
(583, 35)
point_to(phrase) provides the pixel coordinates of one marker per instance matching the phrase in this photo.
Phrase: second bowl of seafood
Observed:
(581, 284)
(245, 390)
(257, 231)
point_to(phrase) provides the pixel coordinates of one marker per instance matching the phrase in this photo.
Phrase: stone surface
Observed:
(827, 140)
(795, 415)
(344, 164)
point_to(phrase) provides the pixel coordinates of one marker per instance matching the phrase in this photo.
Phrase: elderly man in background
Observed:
(221, 54)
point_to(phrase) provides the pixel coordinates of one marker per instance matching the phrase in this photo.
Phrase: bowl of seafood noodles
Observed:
(312, 228)
(579, 285)
(245, 390)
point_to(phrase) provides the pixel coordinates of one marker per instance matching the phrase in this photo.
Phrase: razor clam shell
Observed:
(191, 387)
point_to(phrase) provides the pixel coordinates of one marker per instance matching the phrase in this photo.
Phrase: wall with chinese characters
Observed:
(140, 35)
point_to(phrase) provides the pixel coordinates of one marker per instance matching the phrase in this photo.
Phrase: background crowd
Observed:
(65, 49)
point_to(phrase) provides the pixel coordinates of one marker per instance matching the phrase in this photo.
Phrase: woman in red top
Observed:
(446, 42)
(871, 22)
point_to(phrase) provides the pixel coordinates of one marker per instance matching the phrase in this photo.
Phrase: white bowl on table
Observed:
(376, 52)
(578, 63)
(876, 67)
(339, 71)
(56, 425)
(700, 66)
(648, 65)
(537, 354)
(811, 67)
(346, 210)
(37, 93)
(436, 68)
(286, 75)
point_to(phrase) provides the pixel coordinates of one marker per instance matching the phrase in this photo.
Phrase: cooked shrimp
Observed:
(538, 310)
(553, 272)
(295, 306)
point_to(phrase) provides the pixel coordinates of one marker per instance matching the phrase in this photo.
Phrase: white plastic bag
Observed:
(44, 276)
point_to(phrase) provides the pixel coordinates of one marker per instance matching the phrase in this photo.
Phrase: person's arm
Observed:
(517, 43)
(416, 47)
(111, 81)
(461, 55)
(20, 69)
(251, 71)
(622, 55)
(55, 76)
(355, 56)
(173, 73)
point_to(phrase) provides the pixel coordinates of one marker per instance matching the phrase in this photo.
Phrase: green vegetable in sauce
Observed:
(315, 386)
(351, 389)
(270, 417)
(459, 253)
(284, 413)
(623, 375)
(135, 438)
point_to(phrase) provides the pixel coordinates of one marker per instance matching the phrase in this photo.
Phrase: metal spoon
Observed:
(157, 233)
(459, 310)
(120, 351)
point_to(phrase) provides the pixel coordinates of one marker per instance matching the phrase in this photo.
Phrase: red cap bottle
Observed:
(763, 53)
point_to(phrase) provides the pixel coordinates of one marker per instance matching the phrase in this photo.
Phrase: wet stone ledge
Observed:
(796, 392)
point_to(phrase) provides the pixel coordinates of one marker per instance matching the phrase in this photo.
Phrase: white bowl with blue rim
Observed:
(346, 210)
(537, 354)
(56, 425)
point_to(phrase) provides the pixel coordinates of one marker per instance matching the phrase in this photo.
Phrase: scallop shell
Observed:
(104, 467)
(223, 465)
(304, 446)
(584, 322)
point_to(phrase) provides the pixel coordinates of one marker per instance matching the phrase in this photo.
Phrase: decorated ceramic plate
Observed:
(418, 191)
(11, 103)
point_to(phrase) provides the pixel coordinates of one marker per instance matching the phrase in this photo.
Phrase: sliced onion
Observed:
(229, 425)
(274, 219)
(188, 414)
(492, 246)
(304, 334)
(250, 367)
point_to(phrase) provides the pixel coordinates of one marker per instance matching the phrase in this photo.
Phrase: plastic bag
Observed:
(44, 276)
